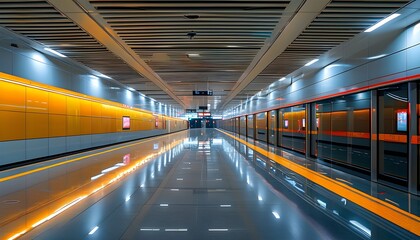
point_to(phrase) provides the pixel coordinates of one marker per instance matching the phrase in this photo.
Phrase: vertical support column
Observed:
(374, 136)
(308, 114)
(412, 138)
(312, 129)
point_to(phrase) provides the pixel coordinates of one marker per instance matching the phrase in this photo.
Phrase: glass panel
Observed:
(272, 126)
(393, 131)
(250, 123)
(243, 125)
(292, 127)
(261, 126)
(343, 125)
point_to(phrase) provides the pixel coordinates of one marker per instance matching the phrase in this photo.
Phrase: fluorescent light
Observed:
(218, 229)
(193, 55)
(382, 22)
(127, 198)
(232, 46)
(225, 205)
(164, 205)
(260, 198)
(131, 89)
(55, 52)
(150, 229)
(114, 88)
(276, 215)
(93, 230)
(376, 57)
(312, 62)
(282, 79)
(176, 230)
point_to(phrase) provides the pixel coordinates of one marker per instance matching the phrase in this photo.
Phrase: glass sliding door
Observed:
(250, 126)
(261, 126)
(292, 125)
(272, 126)
(242, 126)
(393, 134)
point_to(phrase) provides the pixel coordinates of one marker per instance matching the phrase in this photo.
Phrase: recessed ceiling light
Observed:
(193, 55)
(382, 22)
(282, 79)
(232, 46)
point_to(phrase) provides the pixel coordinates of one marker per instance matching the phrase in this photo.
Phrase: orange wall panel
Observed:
(96, 125)
(36, 101)
(13, 99)
(73, 125)
(36, 125)
(73, 106)
(58, 104)
(96, 109)
(12, 126)
(57, 125)
(85, 125)
(85, 108)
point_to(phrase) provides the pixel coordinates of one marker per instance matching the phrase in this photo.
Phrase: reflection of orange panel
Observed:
(96, 109)
(12, 126)
(36, 125)
(85, 108)
(73, 125)
(85, 125)
(58, 103)
(73, 106)
(57, 125)
(96, 125)
(12, 97)
(36, 100)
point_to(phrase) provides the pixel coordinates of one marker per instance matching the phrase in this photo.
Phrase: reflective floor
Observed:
(196, 184)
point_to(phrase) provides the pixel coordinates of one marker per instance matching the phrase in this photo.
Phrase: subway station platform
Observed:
(198, 184)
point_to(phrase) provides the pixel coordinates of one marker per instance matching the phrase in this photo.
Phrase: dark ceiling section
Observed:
(226, 35)
(39, 21)
(339, 21)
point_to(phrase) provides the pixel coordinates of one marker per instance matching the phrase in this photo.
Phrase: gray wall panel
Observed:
(413, 56)
(36, 148)
(12, 151)
(86, 141)
(6, 61)
(57, 145)
(73, 143)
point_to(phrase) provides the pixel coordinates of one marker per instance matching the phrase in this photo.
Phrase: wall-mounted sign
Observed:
(204, 114)
(126, 123)
(202, 107)
(190, 110)
(202, 93)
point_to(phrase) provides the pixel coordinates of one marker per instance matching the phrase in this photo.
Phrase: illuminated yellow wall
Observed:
(30, 110)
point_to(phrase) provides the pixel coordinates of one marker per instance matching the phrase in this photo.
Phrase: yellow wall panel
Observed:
(85, 125)
(12, 125)
(58, 103)
(12, 97)
(85, 108)
(96, 125)
(57, 125)
(36, 100)
(118, 124)
(36, 125)
(73, 125)
(73, 106)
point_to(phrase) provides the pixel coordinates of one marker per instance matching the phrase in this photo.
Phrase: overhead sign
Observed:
(190, 110)
(202, 107)
(202, 93)
(204, 114)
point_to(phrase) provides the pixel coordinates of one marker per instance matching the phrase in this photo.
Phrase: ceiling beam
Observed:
(287, 30)
(82, 13)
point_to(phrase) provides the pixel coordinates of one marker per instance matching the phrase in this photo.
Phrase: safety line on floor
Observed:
(399, 217)
(75, 160)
